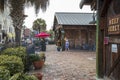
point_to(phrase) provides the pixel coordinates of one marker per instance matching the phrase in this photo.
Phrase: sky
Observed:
(54, 6)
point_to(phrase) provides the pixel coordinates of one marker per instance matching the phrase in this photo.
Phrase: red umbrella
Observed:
(42, 35)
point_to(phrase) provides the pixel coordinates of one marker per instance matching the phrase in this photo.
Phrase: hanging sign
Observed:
(106, 40)
(114, 25)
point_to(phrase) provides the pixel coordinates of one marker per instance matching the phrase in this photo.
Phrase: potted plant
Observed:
(37, 61)
(39, 75)
(58, 48)
(42, 56)
(58, 45)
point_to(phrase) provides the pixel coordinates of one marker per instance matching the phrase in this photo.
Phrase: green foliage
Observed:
(31, 77)
(51, 42)
(19, 51)
(22, 76)
(4, 73)
(39, 25)
(42, 56)
(15, 76)
(37, 57)
(52, 36)
(34, 57)
(37, 43)
(9, 51)
(13, 63)
(51, 32)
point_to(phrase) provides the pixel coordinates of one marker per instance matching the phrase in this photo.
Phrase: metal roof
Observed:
(74, 18)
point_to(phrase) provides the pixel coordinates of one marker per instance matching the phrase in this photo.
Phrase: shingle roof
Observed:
(73, 18)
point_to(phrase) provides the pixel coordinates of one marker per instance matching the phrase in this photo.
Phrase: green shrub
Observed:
(4, 73)
(13, 63)
(19, 51)
(32, 77)
(15, 76)
(23, 54)
(9, 51)
(21, 76)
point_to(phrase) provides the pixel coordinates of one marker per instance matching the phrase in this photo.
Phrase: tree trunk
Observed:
(17, 36)
(17, 14)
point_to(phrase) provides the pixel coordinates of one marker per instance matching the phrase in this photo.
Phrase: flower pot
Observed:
(39, 76)
(58, 49)
(38, 64)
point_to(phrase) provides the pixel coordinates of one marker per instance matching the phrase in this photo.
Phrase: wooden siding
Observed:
(111, 59)
(80, 36)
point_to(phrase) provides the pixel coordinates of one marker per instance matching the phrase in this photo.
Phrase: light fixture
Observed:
(94, 21)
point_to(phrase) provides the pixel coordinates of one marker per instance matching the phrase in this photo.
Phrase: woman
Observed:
(67, 45)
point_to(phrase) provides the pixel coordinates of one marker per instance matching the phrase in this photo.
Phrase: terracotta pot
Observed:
(39, 76)
(38, 64)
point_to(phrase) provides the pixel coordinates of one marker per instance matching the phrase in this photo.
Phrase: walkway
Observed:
(68, 65)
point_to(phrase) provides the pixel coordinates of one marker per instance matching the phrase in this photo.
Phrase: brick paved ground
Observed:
(68, 65)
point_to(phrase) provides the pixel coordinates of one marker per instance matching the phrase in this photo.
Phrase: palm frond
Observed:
(38, 4)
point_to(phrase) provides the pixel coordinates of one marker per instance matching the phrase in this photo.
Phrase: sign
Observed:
(106, 40)
(114, 48)
(114, 25)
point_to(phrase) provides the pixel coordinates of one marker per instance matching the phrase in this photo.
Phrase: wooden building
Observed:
(108, 15)
(76, 28)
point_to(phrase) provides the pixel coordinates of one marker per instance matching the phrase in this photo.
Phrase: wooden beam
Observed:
(105, 7)
(93, 5)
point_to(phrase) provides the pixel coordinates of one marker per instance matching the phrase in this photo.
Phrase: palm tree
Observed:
(39, 25)
(51, 32)
(17, 13)
(1, 5)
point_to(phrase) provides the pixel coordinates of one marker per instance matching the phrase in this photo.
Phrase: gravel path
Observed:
(68, 65)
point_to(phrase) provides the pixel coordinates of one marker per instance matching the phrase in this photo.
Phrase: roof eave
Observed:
(78, 24)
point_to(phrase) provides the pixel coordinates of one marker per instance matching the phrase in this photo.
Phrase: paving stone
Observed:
(68, 65)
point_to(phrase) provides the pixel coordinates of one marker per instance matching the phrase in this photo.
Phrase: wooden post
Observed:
(99, 45)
